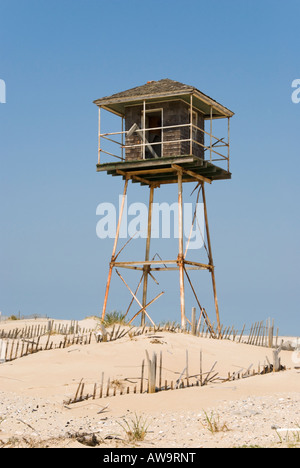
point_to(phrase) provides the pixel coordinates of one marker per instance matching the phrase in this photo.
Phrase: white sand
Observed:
(34, 390)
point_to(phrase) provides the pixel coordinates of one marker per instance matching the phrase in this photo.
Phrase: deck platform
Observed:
(164, 170)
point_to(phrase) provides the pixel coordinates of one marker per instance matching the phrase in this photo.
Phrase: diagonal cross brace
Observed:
(143, 309)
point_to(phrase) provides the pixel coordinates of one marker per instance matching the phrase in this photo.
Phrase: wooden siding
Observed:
(174, 113)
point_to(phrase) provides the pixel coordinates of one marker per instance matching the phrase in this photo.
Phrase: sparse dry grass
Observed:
(117, 384)
(213, 424)
(135, 428)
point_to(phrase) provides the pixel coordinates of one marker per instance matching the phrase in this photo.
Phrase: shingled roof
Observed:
(151, 88)
(163, 89)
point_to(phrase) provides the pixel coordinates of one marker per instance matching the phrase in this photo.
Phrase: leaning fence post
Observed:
(242, 333)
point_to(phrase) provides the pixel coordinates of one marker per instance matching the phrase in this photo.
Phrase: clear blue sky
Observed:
(56, 58)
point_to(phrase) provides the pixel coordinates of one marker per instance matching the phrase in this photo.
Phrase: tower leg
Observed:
(147, 267)
(111, 266)
(211, 263)
(180, 255)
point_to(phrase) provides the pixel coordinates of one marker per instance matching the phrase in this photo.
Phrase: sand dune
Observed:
(45, 381)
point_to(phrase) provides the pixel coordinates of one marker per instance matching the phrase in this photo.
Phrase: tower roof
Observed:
(163, 90)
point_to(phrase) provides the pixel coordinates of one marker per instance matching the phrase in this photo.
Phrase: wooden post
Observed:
(153, 373)
(114, 250)
(152, 367)
(253, 333)
(108, 387)
(3, 347)
(250, 334)
(77, 392)
(263, 336)
(276, 359)
(147, 267)
(101, 386)
(17, 348)
(142, 377)
(6, 351)
(160, 371)
(180, 255)
(194, 324)
(242, 333)
(81, 392)
(258, 334)
(211, 258)
(271, 334)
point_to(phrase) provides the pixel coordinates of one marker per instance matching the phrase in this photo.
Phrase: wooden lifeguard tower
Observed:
(164, 139)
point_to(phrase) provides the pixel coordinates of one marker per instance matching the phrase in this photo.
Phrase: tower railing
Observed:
(212, 151)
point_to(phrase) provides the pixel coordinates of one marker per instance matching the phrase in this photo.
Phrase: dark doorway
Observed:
(153, 134)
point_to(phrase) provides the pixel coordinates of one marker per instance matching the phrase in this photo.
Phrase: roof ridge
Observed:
(150, 85)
